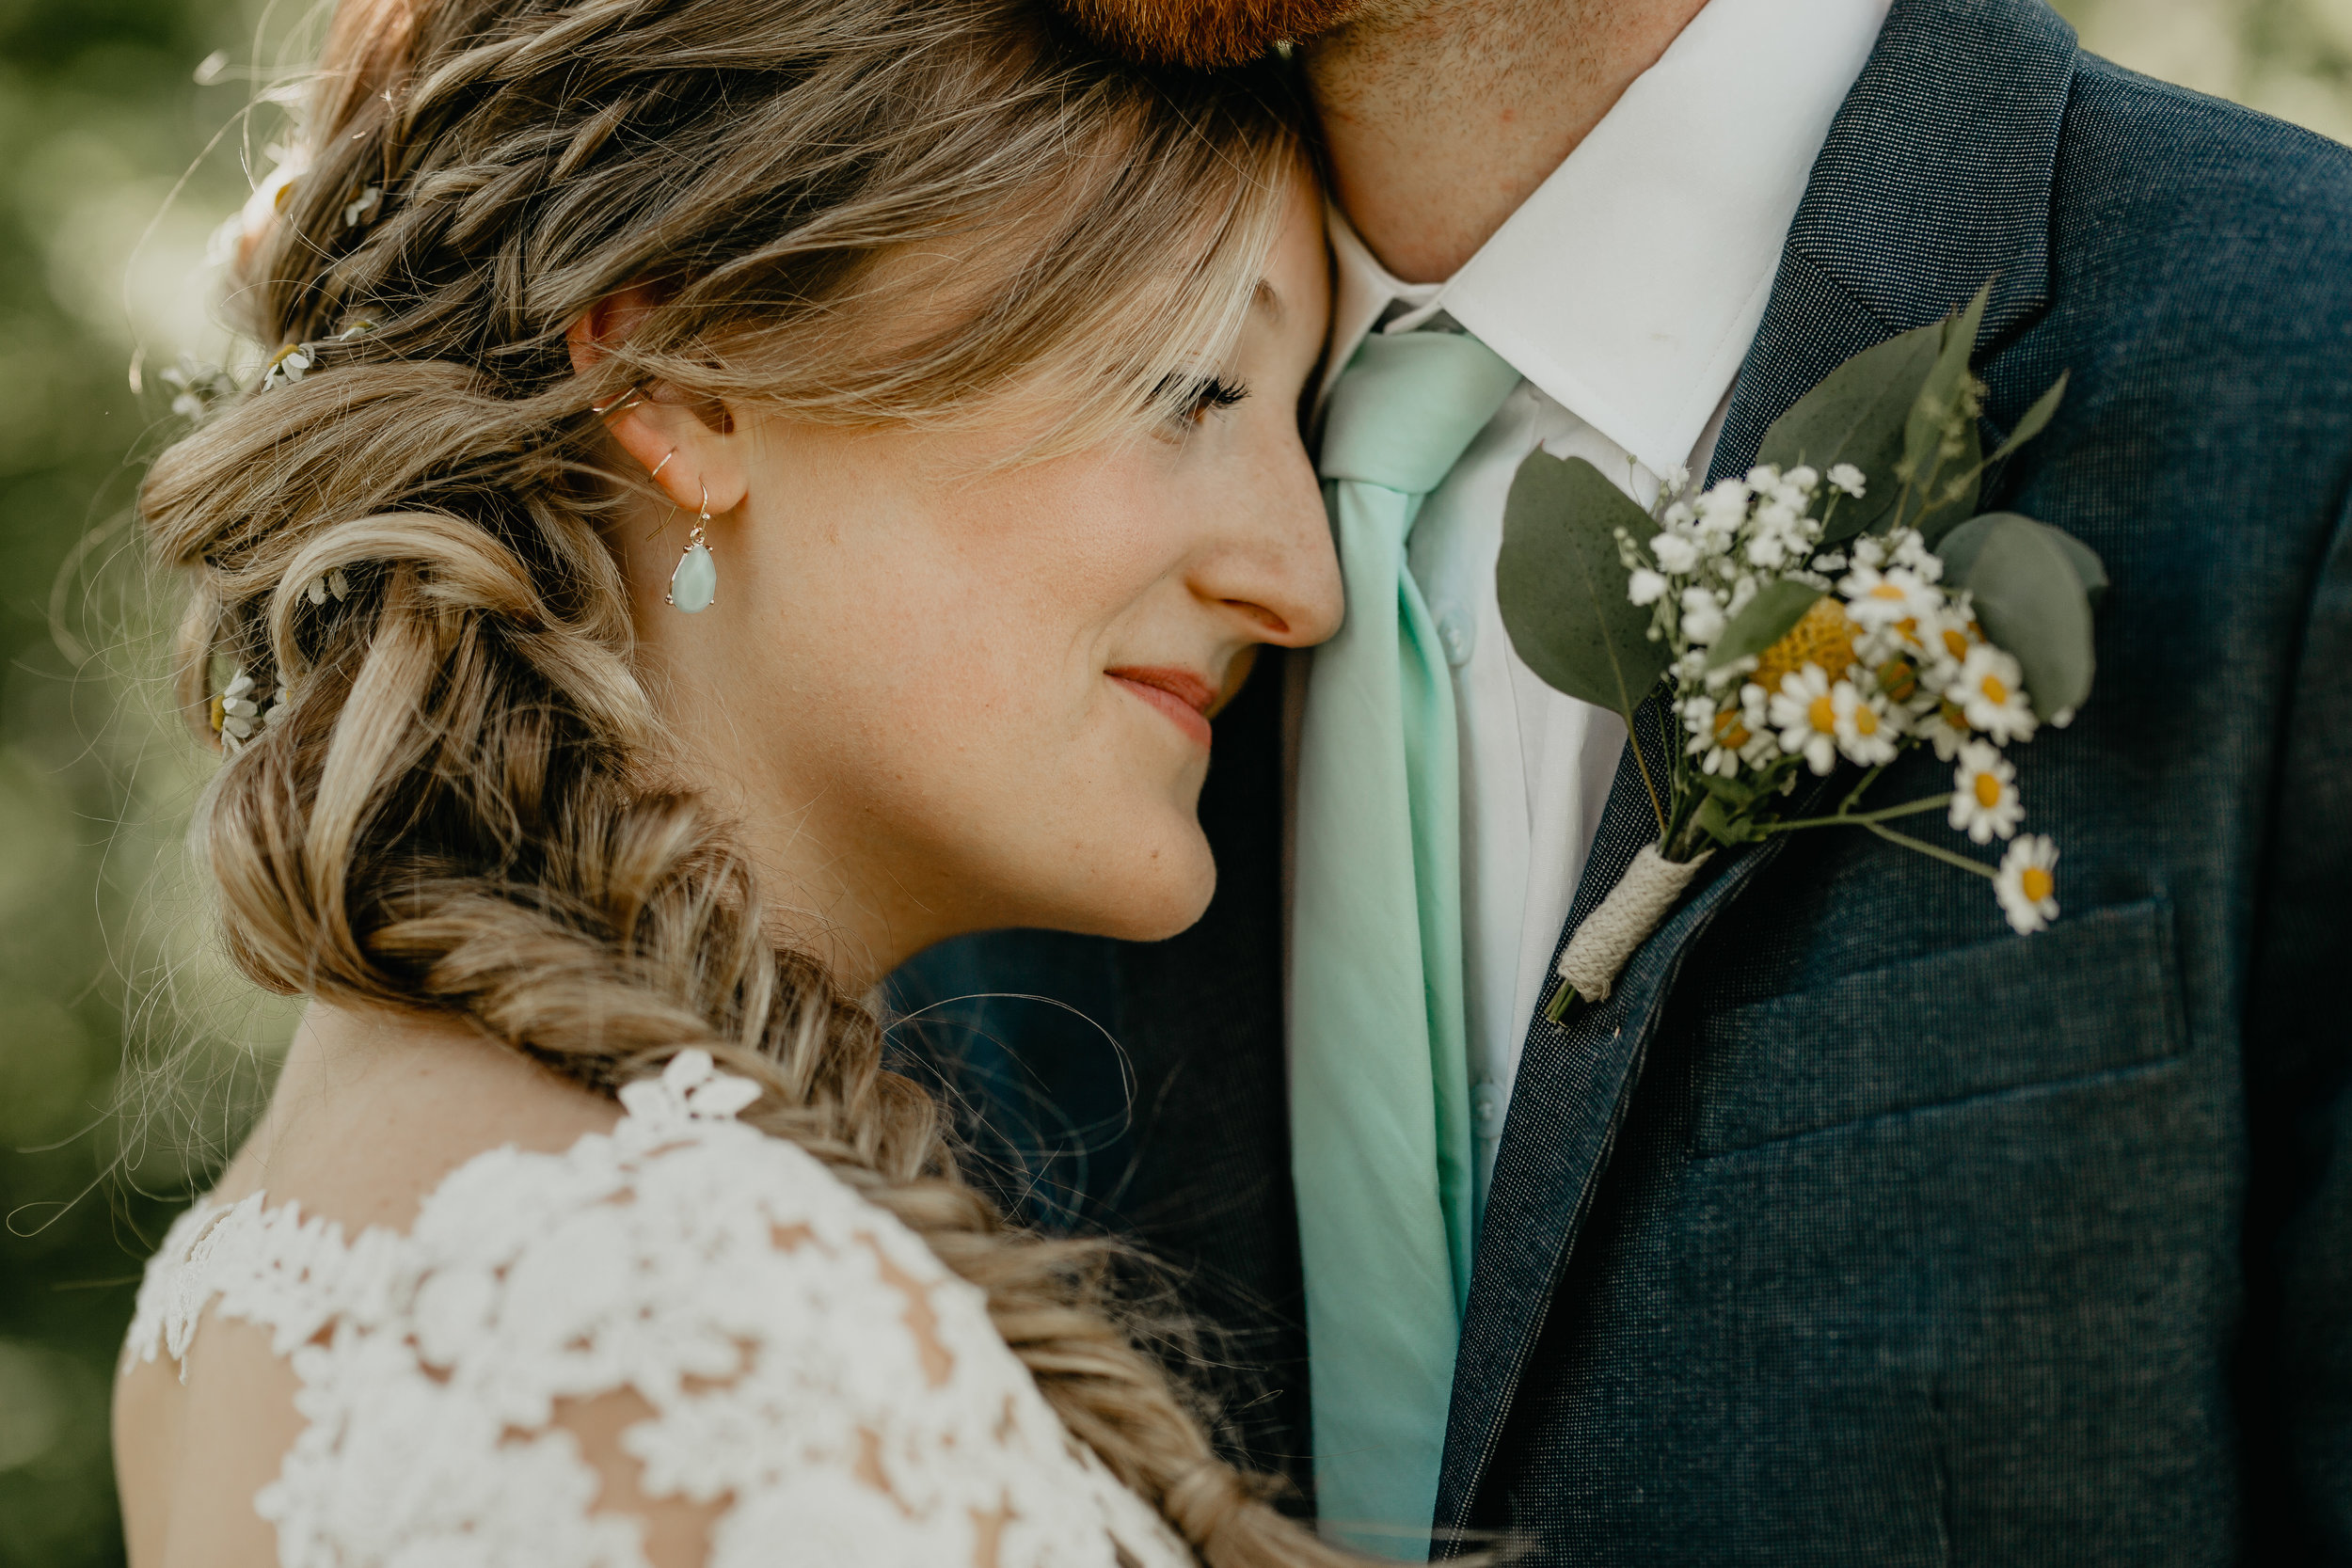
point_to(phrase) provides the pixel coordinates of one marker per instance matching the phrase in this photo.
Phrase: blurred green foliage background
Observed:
(124, 142)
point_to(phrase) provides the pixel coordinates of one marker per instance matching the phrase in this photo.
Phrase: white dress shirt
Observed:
(1626, 291)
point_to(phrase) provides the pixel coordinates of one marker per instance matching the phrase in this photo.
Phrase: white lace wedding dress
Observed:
(807, 1360)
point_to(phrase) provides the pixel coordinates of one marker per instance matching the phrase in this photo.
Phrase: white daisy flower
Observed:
(1721, 738)
(2027, 885)
(1984, 794)
(1846, 477)
(1945, 639)
(1866, 732)
(237, 713)
(1945, 729)
(1878, 600)
(1990, 691)
(1804, 711)
(287, 365)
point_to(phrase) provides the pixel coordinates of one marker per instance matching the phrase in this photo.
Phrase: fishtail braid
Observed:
(465, 806)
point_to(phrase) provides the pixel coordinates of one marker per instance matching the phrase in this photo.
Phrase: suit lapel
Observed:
(1935, 176)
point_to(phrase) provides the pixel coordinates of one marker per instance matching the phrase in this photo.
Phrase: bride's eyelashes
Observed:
(1201, 396)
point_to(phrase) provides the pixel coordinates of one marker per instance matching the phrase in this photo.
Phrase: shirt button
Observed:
(1487, 1110)
(1453, 632)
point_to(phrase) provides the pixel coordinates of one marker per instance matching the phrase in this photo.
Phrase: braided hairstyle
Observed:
(458, 801)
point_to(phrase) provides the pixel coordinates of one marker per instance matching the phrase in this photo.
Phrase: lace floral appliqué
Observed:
(811, 1366)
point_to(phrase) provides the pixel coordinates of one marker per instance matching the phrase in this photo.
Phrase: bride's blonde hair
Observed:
(461, 807)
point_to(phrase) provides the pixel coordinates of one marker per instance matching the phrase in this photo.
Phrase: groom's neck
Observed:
(1442, 117)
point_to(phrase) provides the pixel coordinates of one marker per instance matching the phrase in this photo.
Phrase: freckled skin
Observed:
(904, 690)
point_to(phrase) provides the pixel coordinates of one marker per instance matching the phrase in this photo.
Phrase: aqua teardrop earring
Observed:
(694, 582)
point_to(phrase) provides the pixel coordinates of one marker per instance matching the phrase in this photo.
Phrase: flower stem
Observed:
(1640, 761)
(1864, 818)
(1933, 853)
(1854, 799)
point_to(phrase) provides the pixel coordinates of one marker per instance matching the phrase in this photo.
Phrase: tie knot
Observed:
(1408, 405)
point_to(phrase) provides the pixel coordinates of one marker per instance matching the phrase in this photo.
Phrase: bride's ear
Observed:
(674, 441)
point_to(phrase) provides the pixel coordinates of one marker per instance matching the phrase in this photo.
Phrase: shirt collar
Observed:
(1629, 286)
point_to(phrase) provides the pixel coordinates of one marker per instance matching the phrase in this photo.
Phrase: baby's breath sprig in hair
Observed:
(1834, 607)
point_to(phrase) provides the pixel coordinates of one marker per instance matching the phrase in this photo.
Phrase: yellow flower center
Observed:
(1823, 715)
(1951, 715)
(1898, 679)
(1994, 690)
(1823, 637)
(1865, 721)
(1988, 790)
(1729, 732)
(2036, 884)
(1955, 644)
(1887, 591)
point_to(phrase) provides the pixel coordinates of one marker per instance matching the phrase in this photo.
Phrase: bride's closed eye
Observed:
(1204, 395)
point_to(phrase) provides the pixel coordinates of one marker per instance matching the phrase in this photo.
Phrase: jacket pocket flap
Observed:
(2095, 993)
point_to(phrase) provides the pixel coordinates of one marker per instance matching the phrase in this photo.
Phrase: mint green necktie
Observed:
(1381, 1128)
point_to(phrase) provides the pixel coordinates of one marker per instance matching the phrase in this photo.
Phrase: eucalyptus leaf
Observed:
(1857, 416)
(1763, 620)
(2037, 418)
(1959, 551)
(1562, 585)
(2031, 601)
(1939, 395)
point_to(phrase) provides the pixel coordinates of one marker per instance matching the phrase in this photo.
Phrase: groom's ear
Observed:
(689, 448)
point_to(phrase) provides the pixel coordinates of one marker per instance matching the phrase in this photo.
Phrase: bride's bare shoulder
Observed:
(373, 1110)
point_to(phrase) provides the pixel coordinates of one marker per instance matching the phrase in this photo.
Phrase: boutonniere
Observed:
(1841, 603)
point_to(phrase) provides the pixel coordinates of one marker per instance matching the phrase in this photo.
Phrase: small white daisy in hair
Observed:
(1836, 606)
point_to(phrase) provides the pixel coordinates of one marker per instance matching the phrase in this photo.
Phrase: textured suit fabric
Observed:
(1854, 1228)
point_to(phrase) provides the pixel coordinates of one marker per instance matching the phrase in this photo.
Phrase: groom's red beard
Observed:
(1206, 34)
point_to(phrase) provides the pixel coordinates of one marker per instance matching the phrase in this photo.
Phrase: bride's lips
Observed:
(1184, 697)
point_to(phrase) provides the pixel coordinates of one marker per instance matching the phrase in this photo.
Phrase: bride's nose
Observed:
(1272, 562)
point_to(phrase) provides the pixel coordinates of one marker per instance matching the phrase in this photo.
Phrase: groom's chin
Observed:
(1205, 35)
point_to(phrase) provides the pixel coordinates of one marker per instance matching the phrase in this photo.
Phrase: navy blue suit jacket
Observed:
(1853, 1229)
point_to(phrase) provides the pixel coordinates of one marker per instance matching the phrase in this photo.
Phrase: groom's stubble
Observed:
(1211, 35)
